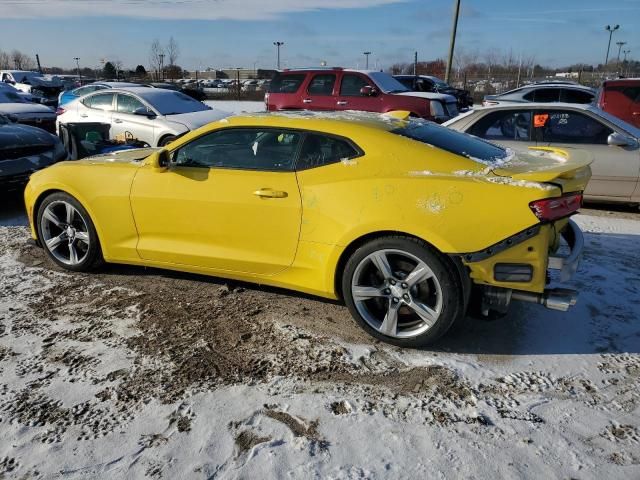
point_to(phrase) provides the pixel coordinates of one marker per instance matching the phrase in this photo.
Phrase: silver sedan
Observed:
(614, 143)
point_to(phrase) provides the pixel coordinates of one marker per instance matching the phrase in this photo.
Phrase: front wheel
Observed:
(67, 233)
(402, 292)
(167, 140)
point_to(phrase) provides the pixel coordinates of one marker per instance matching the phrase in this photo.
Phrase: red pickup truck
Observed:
(621, 98)
(342, 89)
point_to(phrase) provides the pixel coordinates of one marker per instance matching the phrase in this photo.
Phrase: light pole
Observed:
(620, 44)
(366, 56)
(77, 59)
(278, 45)
(609, 29)
(162, 65)
(452, 44)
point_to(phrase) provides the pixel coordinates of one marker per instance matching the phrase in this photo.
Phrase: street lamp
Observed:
(452, 43)
(278, 45)
(620, 44)
(77, 59)
(609, 29)
(366, 56)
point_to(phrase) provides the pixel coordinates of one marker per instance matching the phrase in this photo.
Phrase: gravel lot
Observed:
(133, 372)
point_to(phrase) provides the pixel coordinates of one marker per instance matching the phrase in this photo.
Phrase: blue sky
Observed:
(240, 33)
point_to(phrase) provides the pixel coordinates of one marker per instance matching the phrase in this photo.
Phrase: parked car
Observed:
(544, 92)
(621, 98)
(427, 83)
(45, 88)
(7, 87)
(340, 89)
(69, 95)
(613, 143)
(27, 113)
(23, 150)
(311, 201)
(152, 115)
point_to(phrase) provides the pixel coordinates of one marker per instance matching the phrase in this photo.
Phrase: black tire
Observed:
(451, 306)
(167, 140)
(89, 257)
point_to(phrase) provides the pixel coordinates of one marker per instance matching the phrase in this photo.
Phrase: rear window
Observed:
(286, 83)
(452, 141)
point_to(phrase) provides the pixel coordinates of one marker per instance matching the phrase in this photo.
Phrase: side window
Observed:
(101, 101)
(547, 95)
(573, 127)
(318, 150)
(241, 148)
(351, 85)
(507, 125)
(575, 96)
(530, 97)
(407, 82)
(128, 104)
(286, 83)
(322, 85)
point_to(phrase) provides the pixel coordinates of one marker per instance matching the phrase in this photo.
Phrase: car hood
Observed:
(25, 108)
(14, 135)
(431, 96)
(44, 82)
(124, 156)
(195, 120)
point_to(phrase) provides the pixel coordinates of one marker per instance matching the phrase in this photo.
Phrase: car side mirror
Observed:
(144, 112)
(368, 91)
(159, 160)
(619, 140)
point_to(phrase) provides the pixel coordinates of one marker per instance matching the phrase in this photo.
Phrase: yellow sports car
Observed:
(406, 221)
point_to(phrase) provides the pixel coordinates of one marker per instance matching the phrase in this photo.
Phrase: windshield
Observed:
(452, 141)
(440, 83)
(387, 83)
(167, 102)
(25, 77)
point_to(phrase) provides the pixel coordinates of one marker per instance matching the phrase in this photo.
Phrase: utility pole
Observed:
(162, 65)
(38, 61)
(415, 64)
(366, 56)
(609, 29)
(620, 44)
(278, 45)
(77, 59)
(452, 44)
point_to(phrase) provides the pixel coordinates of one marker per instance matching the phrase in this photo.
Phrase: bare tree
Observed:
(156, 55)
(22, 61)
(5, 60)
(173, 51)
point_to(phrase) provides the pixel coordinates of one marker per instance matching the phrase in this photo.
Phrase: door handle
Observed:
(270, 193)
(84, 115)
(341, 103)
(117, 120)
(306, 100)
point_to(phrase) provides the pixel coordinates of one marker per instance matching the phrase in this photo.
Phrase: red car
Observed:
(622, 99)
(341, 89)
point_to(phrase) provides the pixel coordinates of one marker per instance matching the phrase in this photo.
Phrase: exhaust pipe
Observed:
(555, 298)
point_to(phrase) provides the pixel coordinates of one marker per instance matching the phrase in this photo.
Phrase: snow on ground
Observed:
(132, 373)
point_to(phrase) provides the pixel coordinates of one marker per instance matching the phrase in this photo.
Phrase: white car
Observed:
(45, 88)
(27, 113)
(152, 115)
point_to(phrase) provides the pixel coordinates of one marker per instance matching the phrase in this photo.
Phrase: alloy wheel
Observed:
(64, 233)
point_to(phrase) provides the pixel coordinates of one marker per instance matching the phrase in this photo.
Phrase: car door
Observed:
(614, 169)
(228, 202)
(133, 119)
(509, 128)
(350, 98)
(96, 108)
(319, 93)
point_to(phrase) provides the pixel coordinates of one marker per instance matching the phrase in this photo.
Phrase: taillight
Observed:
(60, 111)
(436, 109)
(266, 101)
(550, 209)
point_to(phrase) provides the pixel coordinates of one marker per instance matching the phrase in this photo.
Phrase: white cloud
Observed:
(175, 9)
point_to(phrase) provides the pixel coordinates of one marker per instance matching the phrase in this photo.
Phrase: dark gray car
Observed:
(23, 150)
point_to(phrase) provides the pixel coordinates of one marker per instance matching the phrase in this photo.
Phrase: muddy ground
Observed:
(91, 361)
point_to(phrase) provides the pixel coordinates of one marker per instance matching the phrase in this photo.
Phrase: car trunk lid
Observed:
(567, 168)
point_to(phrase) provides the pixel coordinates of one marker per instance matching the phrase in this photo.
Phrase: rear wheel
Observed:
(401, 291)
(67, 233)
